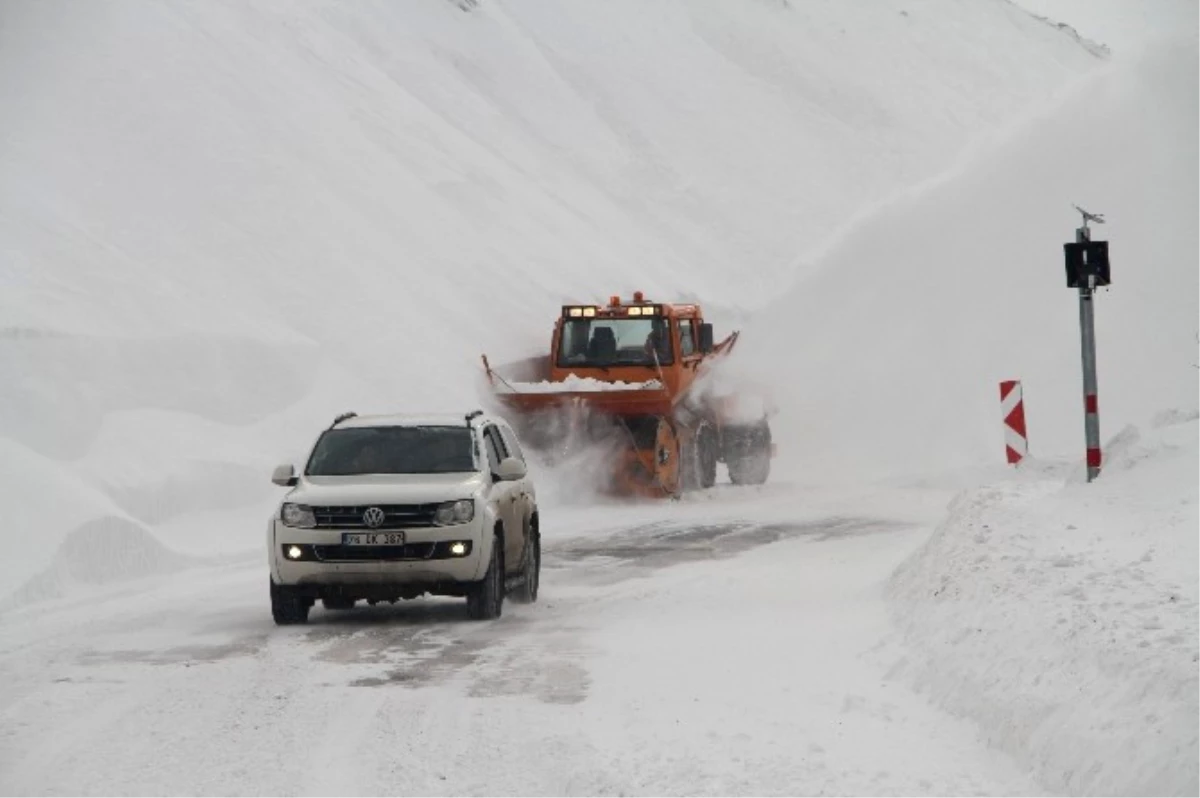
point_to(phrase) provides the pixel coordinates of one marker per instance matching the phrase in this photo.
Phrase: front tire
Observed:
(527, 593)
(287, 606)
(485, 598)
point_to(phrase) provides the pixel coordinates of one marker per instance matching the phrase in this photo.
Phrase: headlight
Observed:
(459, 512)
(298, 515)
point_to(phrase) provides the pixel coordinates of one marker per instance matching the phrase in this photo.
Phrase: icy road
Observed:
(665, 656)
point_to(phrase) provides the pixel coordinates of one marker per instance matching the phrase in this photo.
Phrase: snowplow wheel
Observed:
(748, 454)
(700, 454)
(667, 470)
(706, 456)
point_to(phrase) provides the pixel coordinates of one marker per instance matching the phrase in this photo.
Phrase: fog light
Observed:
(294, 552)
(458, 549)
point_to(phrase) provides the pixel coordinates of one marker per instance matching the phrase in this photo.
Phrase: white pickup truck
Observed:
(392, 507)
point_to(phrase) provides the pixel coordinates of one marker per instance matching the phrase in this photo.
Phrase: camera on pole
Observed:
(1087, 269)
(1087, 260)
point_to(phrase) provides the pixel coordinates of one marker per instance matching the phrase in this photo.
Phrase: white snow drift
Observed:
(1062, 616)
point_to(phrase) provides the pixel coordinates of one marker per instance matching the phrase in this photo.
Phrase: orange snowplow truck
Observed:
(631, 377)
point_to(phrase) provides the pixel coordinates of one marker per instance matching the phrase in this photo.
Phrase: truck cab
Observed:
(634, 343)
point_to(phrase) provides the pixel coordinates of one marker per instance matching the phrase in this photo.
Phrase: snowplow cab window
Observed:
(687, 338)
(603, 345)
(596, 342)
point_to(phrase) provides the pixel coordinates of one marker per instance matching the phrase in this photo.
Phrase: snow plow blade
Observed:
(618, 399)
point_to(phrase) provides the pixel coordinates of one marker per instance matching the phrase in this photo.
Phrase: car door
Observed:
(526, 497)
(504, 496)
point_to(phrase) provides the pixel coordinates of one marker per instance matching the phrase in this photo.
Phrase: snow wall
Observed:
(223, 223)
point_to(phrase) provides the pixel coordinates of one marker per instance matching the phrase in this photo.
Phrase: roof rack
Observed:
(342, 417)
(474, 414)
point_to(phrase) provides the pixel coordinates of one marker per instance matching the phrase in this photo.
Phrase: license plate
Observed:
(372, 538)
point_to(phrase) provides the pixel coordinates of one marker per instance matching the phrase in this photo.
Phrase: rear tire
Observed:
(485, 598)
(748, 454)
(707, 456)
(751, 470)
(527, 593)
(288, 607)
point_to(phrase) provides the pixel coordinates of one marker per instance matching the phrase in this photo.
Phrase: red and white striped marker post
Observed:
(1091, 423)
(1012, 407)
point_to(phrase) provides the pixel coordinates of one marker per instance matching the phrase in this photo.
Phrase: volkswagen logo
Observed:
(373, 517)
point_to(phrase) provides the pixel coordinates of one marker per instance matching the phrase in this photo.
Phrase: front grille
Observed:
(396, 516)
(410, 551)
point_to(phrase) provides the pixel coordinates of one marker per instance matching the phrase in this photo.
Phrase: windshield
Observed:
(614, 342)
(392, 450)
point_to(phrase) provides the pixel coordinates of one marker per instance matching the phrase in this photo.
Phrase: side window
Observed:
(495, 449)
(687, 338)
(510, 443)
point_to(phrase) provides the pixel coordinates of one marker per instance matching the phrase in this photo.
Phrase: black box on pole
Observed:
(1084, 259)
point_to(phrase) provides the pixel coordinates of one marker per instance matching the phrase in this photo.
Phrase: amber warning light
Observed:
(645, 310)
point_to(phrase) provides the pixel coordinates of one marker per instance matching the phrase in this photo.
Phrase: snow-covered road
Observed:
(664, 657)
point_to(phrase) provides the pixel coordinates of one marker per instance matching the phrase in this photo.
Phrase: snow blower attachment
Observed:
(632, 377)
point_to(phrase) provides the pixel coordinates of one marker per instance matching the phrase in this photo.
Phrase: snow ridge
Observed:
(1062, 617)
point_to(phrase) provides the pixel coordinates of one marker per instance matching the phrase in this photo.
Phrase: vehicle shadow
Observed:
(421, 611)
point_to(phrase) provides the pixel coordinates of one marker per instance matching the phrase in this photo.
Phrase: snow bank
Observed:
(241, 217)
(42, 503)
(1062, 616)
(101, 551)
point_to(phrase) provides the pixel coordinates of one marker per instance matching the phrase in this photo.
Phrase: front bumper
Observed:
(424, 560)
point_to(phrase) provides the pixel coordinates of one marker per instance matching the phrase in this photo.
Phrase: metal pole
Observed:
(1087, 330)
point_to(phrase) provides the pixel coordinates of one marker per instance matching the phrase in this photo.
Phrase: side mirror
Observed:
(706, 338)
(284, 476)
(510, 470)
